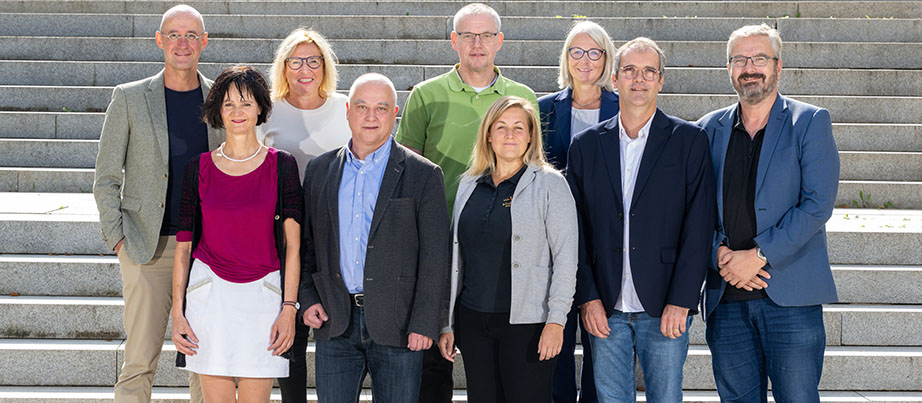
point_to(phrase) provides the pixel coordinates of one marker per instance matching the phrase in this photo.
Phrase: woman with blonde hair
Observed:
(514, 261)
(308, 119)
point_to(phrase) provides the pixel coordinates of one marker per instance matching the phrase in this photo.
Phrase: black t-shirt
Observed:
(739, 190)
(485, 234)
(188, 138)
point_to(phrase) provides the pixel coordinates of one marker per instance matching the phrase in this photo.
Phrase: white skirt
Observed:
(232, 322)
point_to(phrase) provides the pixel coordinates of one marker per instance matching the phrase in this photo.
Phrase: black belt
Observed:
(358, 299)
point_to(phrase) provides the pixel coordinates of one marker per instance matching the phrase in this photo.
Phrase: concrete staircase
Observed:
(60, 308)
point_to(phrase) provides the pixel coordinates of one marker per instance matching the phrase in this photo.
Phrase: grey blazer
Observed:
(407, 259)
(132, 165)
(544, 248)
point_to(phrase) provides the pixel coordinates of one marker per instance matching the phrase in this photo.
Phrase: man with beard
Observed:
(777, 171)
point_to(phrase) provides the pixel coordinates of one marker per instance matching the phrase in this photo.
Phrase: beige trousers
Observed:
(147, 290)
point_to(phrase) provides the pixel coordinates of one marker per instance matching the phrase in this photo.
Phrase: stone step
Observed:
(96, 363)
(690, 80)
(439, 27)
(160, 394)
(100, 318)
(899, 195)
(46, 180)
(685, 53)
(98, 276)
(798, 9)
(844, 109)
(86, 126)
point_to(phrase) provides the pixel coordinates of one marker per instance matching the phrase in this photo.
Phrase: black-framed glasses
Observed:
(173, 36)
(649, 73)
(757, 60)
(593, 54)
(468, 37)
(295, 63)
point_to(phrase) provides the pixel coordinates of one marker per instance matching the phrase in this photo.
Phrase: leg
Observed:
(661, 358)
(437, 380)
(218, 389)
(564, 384)
(395, 373)
(339, 364)
(794, 340)
(586, 382)
(195, 389)
(525, 379)
(254, 390)
(613, 361)
(294, 388)
(147, 290)
(479, 351)
(736, 354)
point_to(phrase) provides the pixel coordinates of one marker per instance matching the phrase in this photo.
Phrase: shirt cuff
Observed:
(184, 236)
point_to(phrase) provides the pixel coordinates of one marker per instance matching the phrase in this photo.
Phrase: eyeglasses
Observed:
(295, 63)
(173, 36)
(757, 60)
(649, 73)
(468, 37)
(593, 54)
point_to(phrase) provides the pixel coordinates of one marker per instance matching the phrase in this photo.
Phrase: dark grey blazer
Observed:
(407, 260)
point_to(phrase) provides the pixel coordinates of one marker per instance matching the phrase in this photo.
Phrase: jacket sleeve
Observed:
(698, 226)
(586, 289)
(562, 231)
(819, 183)
(307, 294)
(433, 261)
(107, 183)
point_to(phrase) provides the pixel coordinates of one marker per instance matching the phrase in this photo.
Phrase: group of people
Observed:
(252, 212)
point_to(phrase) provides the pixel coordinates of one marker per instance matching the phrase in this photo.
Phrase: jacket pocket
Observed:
(131, 204)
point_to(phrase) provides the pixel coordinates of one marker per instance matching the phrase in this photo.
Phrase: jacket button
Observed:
(516, 238)
(620, 216)
(515, 265)
(164, 176)
(161, 205)
(276, 217)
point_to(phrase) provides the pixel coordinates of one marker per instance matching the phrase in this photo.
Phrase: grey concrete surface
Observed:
(55, 180)
(880, 166)
(901, 195)
(48, 153)
(57, 362)
(864, 284)
(90, 276)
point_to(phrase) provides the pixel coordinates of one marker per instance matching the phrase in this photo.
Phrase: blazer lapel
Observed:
(563, 120)
(392, 174)
(773, 129)
(656, 140)
(610, 143)
(719, 154)
(526, 179)
(334, 177)
(156, 103)
(609, 107)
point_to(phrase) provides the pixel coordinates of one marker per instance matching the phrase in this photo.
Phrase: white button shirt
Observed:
(631, 153)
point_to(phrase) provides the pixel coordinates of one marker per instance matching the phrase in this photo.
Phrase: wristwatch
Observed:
(761, 255)
(295, 304)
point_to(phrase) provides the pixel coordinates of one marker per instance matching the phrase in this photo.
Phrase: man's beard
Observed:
(755, 92)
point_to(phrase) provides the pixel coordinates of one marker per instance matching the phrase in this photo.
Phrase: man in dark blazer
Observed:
(375, 256)
(777, 171)
(643, 187)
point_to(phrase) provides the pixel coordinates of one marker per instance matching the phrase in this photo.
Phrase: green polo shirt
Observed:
(442, 116)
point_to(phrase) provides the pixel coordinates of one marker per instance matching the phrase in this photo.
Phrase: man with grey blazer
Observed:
(152, 128)
(375, 258)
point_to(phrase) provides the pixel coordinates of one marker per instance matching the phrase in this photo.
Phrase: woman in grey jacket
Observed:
(514, 261)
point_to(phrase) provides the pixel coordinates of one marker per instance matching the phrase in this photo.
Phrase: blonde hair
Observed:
(483, 159)
(774, 37)
(601, 38)
(296, 38)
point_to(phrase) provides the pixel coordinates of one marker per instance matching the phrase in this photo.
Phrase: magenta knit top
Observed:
(238, 213)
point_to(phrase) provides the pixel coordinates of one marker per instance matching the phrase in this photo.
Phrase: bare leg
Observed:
(218, 389)
(254, 390)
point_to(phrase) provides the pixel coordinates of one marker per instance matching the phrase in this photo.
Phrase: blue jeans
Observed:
(342, 363)
(758, 339)
(637, 336)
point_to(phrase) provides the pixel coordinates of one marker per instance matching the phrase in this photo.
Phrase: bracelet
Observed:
(292, 304)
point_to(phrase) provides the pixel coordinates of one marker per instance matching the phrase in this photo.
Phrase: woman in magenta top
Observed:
(233, 301)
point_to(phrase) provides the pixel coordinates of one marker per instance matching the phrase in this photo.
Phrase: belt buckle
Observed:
(358, 299)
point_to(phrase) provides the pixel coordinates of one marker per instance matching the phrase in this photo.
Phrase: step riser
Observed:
(49, 181)
(900, 195)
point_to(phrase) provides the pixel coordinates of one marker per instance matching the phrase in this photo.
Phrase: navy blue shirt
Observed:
(188, 139)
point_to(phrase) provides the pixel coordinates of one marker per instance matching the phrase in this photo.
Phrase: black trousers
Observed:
(294, 388)
(437, 383)
(501, 360)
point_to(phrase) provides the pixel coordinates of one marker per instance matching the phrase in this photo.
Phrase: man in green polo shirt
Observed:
(442, 114)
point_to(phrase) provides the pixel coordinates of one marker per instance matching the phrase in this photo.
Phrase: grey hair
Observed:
(601, 38)
(182, 9)
(475, 9)
(774, 37)
(372, 78)
(643, 44)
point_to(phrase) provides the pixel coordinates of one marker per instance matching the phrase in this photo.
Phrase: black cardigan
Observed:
(289, 204)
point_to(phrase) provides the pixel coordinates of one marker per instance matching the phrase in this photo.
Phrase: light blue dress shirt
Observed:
(358, 193)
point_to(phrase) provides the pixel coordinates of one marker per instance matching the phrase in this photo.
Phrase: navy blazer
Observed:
(796, 185)
(555, 122)
(671, 217)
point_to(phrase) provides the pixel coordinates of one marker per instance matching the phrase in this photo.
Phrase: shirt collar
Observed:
(375, 157)
(644, 131)
(457, 85)
(514, 179)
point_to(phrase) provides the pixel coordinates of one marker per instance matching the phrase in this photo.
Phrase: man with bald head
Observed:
(153, 127)
(375, 256)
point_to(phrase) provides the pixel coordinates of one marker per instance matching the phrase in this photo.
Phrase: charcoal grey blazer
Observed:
(132, 165)
(407, 260)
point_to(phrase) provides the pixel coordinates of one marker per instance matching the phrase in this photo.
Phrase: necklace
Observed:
(587, 103)
(221, 152)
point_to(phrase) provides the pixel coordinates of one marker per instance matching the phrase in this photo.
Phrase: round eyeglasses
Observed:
(173, 36)
(648, 73)
(593, 54)
(295, 63)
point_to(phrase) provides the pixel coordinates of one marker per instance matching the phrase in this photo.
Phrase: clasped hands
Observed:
(742, 268)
